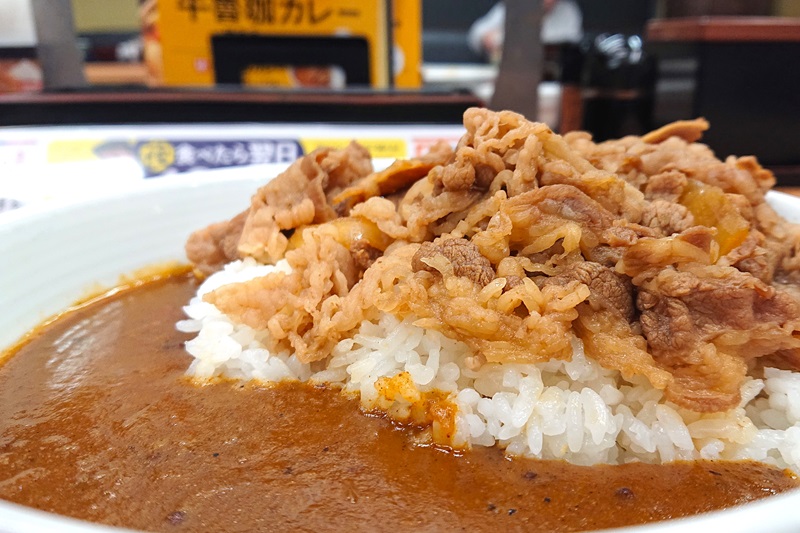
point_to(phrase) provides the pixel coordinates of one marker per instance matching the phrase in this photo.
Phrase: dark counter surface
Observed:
(147, 106)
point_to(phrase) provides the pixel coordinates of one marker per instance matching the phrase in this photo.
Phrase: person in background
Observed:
(562, 23)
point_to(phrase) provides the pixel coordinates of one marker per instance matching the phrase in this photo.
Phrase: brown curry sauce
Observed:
(98, 422)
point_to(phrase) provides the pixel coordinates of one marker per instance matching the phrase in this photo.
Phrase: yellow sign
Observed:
(63, 151)
(407, 43)
(287, 76)
(70, 150)
(388, 147)
(157, 156)
(185, 28)
(271, 76)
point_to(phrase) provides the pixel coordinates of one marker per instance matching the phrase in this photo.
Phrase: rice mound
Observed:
(574, 409)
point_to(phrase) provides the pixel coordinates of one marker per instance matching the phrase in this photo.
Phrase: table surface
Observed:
(721, 29)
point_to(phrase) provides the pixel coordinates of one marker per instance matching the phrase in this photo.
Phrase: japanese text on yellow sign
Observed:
(186, 28)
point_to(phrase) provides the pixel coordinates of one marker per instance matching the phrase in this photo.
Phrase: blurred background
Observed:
(101, 94)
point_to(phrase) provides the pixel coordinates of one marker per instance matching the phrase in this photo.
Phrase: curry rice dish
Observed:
(630, 305)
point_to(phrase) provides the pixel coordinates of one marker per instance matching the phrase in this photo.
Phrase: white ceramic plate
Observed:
(50, 257)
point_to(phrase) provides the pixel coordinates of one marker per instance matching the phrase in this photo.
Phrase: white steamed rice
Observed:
(573, 410)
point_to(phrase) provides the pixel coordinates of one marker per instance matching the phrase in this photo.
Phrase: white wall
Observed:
(16, 23)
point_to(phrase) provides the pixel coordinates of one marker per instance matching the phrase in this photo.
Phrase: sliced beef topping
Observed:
(465, 257)
(608, 290)
(665, 260)
(667, 186)
(364, 254)
(512, 281)
(683, 307)
(297, 197)
(646, 256)
(570, 203)
(667, 217)
(688, 130)
(210, 248)
(705, 322)
(457, 177)
(397, 177)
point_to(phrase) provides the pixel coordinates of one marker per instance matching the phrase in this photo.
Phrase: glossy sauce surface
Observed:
(98, 422)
